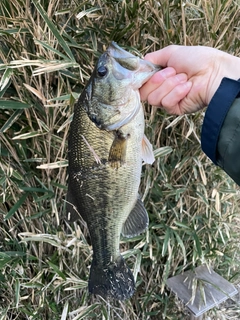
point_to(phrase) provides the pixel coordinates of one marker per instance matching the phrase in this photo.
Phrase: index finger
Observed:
(162, 56)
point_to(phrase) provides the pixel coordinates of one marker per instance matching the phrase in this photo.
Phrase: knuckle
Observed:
(171, 82)
(167, 104)
(179, 90)
(153, 100)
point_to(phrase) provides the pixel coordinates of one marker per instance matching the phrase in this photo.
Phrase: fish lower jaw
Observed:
(113, 281)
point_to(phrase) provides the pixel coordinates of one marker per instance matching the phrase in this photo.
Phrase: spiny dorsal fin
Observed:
(147, 151)
(137, 221)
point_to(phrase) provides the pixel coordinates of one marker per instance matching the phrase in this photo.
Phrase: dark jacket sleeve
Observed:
(221, 128)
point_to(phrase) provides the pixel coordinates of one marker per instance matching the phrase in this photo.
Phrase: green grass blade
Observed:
(181, 244)
(13, 31)
(17, 292)
(57, 270)
(29, 135)
(11, 120)
(86, 312)
(48, 47)
(16, 207)
(161, 152)
(3, 66)
(198, 245)
(11, 104)
(53, 29)
(5, 78)
(166, 241)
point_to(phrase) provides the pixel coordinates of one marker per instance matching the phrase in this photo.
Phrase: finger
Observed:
(155, 81)
(156, 96)
(171, 102)
(162, 56)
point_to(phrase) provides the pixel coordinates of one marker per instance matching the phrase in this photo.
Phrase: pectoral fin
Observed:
(147, 151)
(137, 221)
(117, 153)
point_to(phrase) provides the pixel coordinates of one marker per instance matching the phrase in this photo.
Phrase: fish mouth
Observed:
(124, 58)
(143, 69)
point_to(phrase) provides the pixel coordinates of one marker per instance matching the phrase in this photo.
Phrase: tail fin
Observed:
(112, 281)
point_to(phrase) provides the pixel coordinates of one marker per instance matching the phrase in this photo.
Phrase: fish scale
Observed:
(105, 161)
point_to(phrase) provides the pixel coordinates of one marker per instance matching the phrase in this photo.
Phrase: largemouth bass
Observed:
(106, 148)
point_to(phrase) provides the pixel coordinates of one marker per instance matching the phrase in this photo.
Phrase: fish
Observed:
(106, 150)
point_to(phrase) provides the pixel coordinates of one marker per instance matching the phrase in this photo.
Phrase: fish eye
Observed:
(102, 71)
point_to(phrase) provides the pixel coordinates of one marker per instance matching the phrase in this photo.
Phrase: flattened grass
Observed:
(47, 52)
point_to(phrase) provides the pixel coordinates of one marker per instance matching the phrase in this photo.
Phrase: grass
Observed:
(47, 53)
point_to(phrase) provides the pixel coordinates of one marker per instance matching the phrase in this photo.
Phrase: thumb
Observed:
(162, 56)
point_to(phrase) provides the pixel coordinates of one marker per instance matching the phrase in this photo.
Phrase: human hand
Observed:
(191, 76)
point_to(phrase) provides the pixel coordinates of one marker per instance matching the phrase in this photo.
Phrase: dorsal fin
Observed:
(137, 221)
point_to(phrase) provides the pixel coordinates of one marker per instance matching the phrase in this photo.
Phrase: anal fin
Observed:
(137, 221)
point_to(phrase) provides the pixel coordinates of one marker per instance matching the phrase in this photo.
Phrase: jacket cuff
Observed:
(217, 110)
